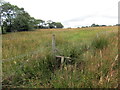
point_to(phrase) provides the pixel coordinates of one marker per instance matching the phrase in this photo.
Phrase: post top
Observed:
(53, 34)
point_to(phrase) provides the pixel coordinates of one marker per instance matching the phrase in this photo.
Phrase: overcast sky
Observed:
(72, 13)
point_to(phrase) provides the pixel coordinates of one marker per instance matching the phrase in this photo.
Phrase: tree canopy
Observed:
(14, 19)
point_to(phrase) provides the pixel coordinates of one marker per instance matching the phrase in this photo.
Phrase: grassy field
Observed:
(28, 62)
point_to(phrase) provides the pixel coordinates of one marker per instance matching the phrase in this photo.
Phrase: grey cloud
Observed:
(82, 18)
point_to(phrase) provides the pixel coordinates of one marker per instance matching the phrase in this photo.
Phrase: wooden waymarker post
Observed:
(62, 60)
(53, 46)
(56, 57)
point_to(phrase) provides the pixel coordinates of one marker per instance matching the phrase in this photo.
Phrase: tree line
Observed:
(13, 18)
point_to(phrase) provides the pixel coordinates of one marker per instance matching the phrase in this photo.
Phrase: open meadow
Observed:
(27, 59)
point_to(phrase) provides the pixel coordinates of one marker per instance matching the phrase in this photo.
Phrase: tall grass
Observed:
(93, 59)
(100, 42)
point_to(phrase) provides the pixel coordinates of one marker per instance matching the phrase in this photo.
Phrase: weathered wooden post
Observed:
(53, 46)
(62, 60)
(58, 59)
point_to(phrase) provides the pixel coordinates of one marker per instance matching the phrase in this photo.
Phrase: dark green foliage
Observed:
(22, 22)
(52, 24)
(58, 25)
(15, 19)
(94, 25)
